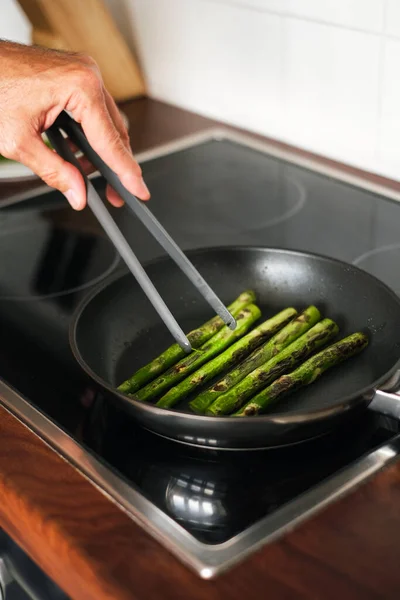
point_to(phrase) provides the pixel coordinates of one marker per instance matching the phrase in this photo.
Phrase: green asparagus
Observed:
(306, 374)
(217, 344)
(290, 357)
(231, 356)
(169, 357)
(302, 323)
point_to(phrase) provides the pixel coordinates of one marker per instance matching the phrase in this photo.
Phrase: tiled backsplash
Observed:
(13, 23)
(319, 74)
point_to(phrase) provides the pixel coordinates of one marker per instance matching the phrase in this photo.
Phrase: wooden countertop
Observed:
(94, 551)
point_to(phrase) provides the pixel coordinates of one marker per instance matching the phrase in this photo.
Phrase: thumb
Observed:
(54, 170)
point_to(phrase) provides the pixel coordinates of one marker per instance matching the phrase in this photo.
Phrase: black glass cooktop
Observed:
(215, 193)
(217, 494)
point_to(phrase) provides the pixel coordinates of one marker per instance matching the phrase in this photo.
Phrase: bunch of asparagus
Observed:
(258, 365)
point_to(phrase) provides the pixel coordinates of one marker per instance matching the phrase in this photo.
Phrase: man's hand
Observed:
(35, 86)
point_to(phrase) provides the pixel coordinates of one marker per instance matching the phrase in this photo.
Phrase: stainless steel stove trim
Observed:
(221, 133)
(31, 193)
(206, 561)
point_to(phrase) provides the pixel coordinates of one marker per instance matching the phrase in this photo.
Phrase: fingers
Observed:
(117, 119)
(93, 107)
(115, 115)
(113, 197)
(88, 168)
(105, 139)
(54, 170)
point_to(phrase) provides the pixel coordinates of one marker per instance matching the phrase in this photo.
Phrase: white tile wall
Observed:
(389, 131)
(13, 23)
(322, 75)
(392, 18)
(330, 80)
(367, 15)
(230, 71)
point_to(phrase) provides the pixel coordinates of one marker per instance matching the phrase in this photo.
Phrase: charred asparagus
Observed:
(169, 357)
(217, 344)
(290, 357)
(229, 357)
(302, 323)
(306, 374)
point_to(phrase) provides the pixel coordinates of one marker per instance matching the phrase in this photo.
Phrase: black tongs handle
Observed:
(117, 238)
(76, 134)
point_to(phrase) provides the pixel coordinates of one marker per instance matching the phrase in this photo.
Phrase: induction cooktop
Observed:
(209, 508)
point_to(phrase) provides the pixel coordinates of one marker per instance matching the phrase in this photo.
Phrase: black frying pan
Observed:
(116, 330)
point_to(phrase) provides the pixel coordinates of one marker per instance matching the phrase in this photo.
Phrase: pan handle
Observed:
(387, 402)
(392, 384)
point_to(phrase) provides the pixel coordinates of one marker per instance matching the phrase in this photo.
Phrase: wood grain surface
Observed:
(94, 551)
(87, 27)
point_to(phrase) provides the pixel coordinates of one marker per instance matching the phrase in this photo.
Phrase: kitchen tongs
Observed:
(75, 132)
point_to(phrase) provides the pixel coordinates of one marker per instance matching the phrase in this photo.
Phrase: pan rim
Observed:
(346, 403)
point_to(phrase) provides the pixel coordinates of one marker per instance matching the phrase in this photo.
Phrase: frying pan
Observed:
(115, 331)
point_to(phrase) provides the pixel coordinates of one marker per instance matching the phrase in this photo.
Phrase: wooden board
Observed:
(87, 26)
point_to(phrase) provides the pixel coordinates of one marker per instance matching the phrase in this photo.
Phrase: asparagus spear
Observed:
(307, 373)
(302, 323)
(169, 357)
(221, 340)
(291, 356)
(231, 356)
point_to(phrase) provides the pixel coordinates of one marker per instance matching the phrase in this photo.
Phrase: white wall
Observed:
(13, 23)
(320, 74)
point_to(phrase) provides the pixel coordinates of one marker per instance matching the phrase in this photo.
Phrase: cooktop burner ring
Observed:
(44, 261)
(382, 262)
(244, 211)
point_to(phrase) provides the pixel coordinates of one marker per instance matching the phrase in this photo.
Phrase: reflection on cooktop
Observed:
(44, 260)
(383, 263)
(229, 199)
(215, 494)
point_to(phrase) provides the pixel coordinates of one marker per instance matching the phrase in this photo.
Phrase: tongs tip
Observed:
(185, 345)
(231, 322)
(225, 315)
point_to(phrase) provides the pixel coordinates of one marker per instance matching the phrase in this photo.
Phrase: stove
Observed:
(210, 508)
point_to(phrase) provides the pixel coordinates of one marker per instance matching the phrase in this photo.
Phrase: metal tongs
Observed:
(75, 132)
